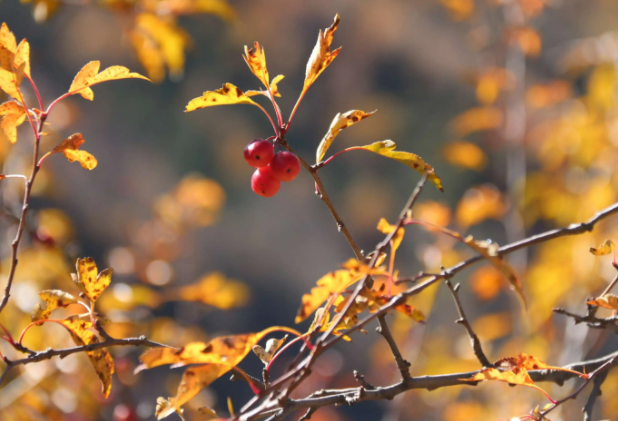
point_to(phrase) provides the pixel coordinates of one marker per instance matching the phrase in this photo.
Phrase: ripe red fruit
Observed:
(259, 153)
(264, 183)
(285, 166)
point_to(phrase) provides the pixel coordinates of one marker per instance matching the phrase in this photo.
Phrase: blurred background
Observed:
(513, 102)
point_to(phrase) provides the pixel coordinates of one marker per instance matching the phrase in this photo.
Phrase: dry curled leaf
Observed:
(69, 148)
(608, 301)
(101, 359)
(321, 56)
(227, 95)
(606, 248)
(13, 114)
(89, 75)
(52, 299)
(87, 279)
(340, 122)
(386, 148)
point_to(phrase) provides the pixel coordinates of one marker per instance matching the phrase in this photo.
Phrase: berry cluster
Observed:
(272, 168)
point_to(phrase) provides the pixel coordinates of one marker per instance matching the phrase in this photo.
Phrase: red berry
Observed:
(263, 182)
(285, 166)
(259, 153)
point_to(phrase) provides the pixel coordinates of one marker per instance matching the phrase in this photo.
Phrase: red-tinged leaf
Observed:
(69, 148)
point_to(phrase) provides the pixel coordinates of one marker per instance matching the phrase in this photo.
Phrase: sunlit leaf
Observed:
(227, 95)
(330, 284)
(52, 299)
(69, 148)
(256, 60)
(89, 75)
(385, 228)
(87, 279)
(100, 358)
(340, 122)
(10, 81)
(273, 88)
(606, 248)
(8, 48)
(321, 56)
(465, 155)
(13, 114)
(608, 301)
(386, 148)
(477, 119)
(216, 290)
(22, 57)
(267, 353)
(480, 203)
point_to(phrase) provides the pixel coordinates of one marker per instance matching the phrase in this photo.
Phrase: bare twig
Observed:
(591, 320)
(463, 320)
(402, 365)
(594, 394)
(611, 285)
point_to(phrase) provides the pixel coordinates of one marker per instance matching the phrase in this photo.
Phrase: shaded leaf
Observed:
(267, 353)
(207, 414)
(13, 114)
(477, 119)
(52, 299)
(87, 279)
(608, 301)
(216, 290)
(321, 56)
(227, 95)
(480, 203)
(101, 359)
(386, 148)
(340, 122)
(606, 248)
(69, 148)
(89, 75)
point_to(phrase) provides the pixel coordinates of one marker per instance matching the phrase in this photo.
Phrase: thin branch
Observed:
(463, 320)
(594, 394)
(611, 285)
(591, 320)
(354, 395)
(322, 195)
(402, 365)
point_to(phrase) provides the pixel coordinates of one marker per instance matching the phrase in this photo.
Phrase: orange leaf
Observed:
(22, 56)
(480, 203)
(256, 60)
(13, 114)
(87, 279)
(321, 56)
(608, 301)
(215, 290)
(69, 148)
(465, 155)
(385, 228)
(100, 358)
(477, 119)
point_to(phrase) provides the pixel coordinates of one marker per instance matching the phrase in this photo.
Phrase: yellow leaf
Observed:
(321, 56)
(606, 248)
(8, 47)
(228, 350)
(480, 203)
(69, 148)
(89, 75)
(87, 279)
(608, 301)
(273, 88)
(100, 358)
(22, 56)
(386, 148)
(340, 122)
(13, 114)
(433, 212)
(228, 94)
(331, 284)
(256, 60)
(385, 228)
(9, 82)
(215, 290)
(53, 299)
(465, 154)
(193, 381)
(477, 119)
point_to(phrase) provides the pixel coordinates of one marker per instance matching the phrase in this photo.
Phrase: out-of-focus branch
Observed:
(463, 320)
(594, 394)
